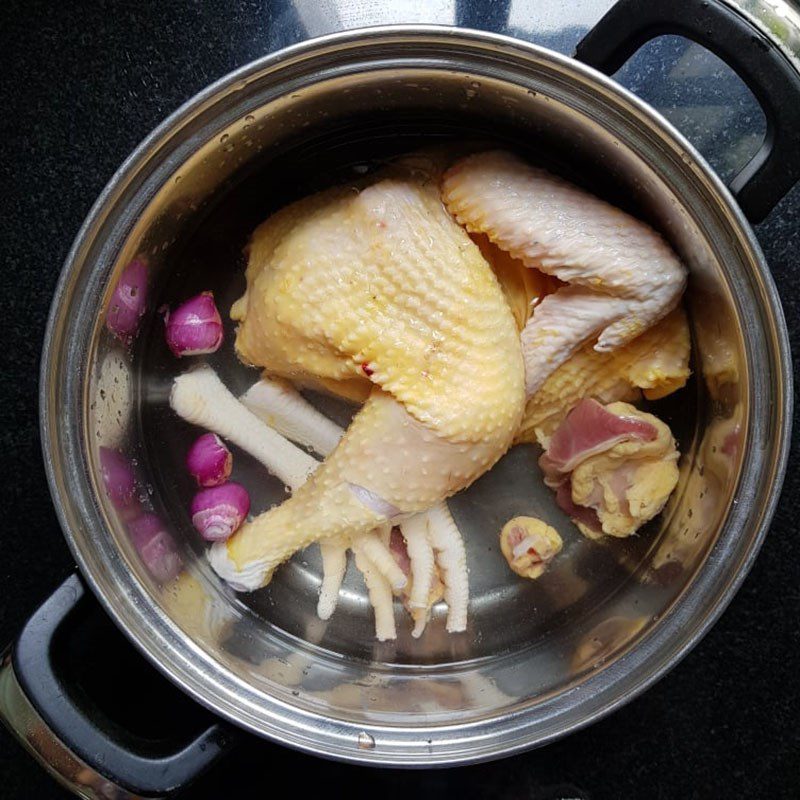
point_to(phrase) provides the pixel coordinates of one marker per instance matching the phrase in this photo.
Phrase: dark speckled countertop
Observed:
(83, 82)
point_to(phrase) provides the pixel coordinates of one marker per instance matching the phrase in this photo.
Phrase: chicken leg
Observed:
(379, 283)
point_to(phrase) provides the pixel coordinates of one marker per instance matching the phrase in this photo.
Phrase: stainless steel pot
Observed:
(540, 659)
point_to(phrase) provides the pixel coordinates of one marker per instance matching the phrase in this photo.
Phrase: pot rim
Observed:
(295, 727)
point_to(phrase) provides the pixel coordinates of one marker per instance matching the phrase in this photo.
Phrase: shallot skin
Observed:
(119, 479)
(209, 460)
(155, 546)
(195, 327)
(218, 511)
(128, 301)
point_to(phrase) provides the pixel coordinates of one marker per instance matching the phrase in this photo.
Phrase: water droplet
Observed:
(178, 178)
(249, 118)
(365, 741)
(224, 138)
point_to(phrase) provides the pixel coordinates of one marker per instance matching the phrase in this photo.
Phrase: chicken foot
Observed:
(432, 537)
(199, 397)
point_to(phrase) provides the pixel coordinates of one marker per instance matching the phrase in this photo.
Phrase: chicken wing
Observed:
(622, 276)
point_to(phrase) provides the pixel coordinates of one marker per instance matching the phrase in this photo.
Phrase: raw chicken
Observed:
(654, 364)
(529, 545)
(523, 287)
(623, 276)
(375, 293)
(379, 283)
(613, 467)
(436, 588)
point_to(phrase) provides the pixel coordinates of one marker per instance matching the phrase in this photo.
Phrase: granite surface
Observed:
(82, 83)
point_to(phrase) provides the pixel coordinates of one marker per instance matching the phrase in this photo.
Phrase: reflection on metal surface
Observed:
(198, 607)
(780, 19)
(128, 302)
(717, 336)
(605, 640)
(25, 723)
(153, 543)
(112, 405)
(696, 520)
(155, 546)
(697, 516)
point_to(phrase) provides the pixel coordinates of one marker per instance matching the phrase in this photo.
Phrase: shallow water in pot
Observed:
(507, 614)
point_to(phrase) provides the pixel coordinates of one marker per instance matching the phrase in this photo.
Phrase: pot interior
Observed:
(528, 642)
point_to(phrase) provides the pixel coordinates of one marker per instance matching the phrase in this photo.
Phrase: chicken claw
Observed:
(334, 565)
(432, 536)
(380, 595)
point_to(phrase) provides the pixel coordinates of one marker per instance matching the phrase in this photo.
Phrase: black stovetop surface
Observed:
(82, 84)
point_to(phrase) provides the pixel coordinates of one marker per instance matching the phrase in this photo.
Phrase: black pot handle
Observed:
(769, 74)
(85, 750)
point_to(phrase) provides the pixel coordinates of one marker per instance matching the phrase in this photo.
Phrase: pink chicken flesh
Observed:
(612, 467)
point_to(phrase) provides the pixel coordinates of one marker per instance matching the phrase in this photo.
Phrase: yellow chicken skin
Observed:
(524, 287)
(656, 362)
(380, 283)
